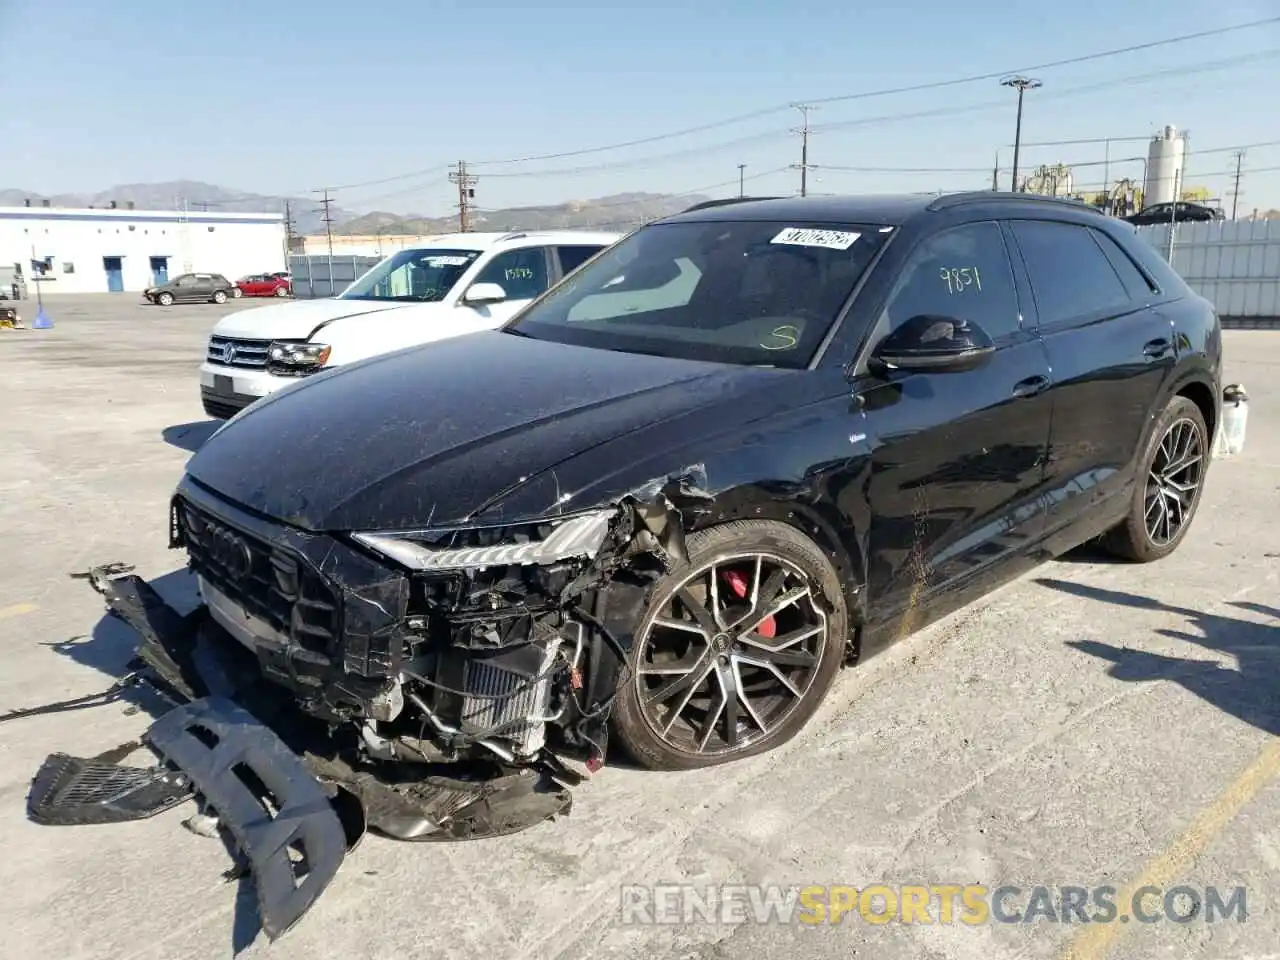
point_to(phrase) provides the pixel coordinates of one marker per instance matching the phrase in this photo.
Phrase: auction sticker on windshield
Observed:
(807, 237)
(447, 261)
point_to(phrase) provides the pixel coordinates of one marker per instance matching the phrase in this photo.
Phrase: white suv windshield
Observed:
(417, 276)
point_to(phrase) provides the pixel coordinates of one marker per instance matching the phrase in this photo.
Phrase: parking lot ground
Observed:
(1092, 724)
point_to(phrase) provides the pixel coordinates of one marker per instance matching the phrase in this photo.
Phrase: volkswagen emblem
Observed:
(230, 551)
(228, 353)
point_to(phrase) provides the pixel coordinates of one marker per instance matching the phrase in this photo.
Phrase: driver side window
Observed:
(521, 273)
(963, 272)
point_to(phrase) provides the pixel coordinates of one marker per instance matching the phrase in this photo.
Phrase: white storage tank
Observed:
(1165, 162)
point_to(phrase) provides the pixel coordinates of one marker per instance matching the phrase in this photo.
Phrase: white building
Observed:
(100, 251)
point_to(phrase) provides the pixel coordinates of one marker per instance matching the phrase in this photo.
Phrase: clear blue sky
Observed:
(289, 95)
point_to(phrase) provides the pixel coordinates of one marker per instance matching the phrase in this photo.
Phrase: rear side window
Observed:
(1135, 281)
(1071, 278)
(571, 258)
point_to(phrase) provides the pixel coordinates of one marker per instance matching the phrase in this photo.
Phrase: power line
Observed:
(842, 98)
(890, 91)
(1188, 70)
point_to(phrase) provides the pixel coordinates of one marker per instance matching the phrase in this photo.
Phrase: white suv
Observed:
(457, 284)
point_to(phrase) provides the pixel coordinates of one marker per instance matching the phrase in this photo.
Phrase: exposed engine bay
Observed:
(427, 688)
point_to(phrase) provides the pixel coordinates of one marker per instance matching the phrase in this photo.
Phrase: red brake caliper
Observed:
(738, 584)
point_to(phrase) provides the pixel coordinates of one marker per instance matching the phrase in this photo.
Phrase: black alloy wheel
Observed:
(1168, 485)
(1173, 482)
(737, 650)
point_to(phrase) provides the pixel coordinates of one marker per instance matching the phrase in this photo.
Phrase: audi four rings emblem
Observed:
(228, 353)
(230, 552)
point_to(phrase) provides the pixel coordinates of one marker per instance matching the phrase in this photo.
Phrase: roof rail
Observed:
(986, 196)
(516, 235)
(705, 204)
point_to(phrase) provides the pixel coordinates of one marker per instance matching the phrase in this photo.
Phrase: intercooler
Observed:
(509, 694)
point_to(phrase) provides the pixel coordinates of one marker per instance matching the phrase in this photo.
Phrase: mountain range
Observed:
(617, 211)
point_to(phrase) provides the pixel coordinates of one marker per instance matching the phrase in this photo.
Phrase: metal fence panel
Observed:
(1235, 264)
(320, 275)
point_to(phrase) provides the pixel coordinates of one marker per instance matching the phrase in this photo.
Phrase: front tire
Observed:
(165, 299)
(1167, 492)
(736, 650)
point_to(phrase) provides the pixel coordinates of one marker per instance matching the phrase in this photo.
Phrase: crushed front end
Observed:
(429, 685)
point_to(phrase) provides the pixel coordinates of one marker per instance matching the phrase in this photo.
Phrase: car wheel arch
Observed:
(846, 553)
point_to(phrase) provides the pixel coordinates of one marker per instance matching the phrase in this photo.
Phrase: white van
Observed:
(457, 284)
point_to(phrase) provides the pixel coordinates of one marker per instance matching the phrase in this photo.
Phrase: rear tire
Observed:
(219, 296)
(236, 293)
(1169, 484)
(710, 679)
(282, 291)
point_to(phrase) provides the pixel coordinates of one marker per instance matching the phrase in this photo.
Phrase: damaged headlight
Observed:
(296, 358)
(579, 536)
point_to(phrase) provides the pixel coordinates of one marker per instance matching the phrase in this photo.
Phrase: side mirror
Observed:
(929, 343)
(479, 294)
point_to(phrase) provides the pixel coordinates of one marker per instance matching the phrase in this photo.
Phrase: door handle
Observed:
(1155, 349)
(1030, 387)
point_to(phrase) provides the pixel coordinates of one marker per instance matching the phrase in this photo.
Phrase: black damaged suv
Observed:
(742, 447)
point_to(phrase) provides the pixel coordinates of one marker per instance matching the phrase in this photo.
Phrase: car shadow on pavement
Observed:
(1249, 692)
(111, 645)
(190, 436)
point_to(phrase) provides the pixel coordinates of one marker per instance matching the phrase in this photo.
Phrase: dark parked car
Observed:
(1185, 213)
(741, 448)
(191, 288)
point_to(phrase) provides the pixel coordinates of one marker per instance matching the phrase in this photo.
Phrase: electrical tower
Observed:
(1235, 190)
(466, 193)
(804, 166)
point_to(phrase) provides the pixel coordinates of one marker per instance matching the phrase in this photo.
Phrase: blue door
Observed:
(115, 273)
(159, 270)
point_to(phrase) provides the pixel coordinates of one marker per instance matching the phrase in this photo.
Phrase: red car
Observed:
(264, 285)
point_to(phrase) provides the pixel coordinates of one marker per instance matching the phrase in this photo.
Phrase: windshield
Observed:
(734, 292)
(418, 276)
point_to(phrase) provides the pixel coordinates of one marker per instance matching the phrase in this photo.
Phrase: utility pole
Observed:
(1022, 85)
(742, 180)
(466, 193)
(328, 233)
(288, 234)
(1235, 190)
(995, 174)
(803, 166)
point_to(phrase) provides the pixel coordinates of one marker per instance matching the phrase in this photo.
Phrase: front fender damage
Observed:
(295, 792)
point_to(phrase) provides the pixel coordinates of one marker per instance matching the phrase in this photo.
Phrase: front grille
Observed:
(234, 352)
(266, 582)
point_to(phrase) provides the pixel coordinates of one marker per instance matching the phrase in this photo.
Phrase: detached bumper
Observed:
(292, 797)
(223, 754)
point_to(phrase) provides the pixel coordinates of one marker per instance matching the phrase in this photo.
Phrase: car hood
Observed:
(299, 319)
(433, 434)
